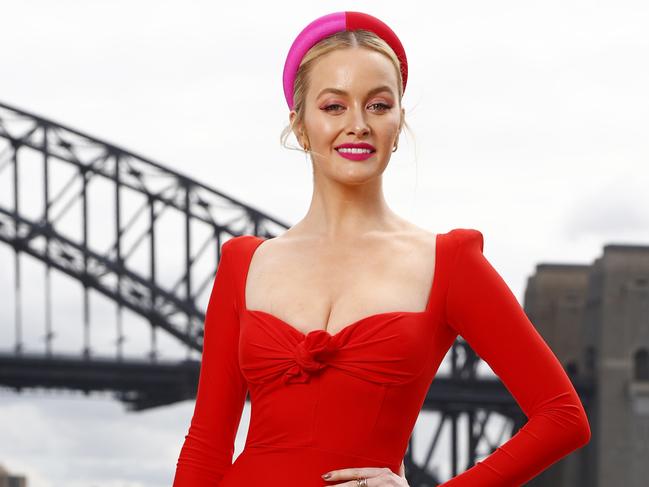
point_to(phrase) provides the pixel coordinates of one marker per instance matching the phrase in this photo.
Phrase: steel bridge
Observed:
(146, 239)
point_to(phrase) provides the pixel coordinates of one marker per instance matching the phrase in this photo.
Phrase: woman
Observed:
(337, 327)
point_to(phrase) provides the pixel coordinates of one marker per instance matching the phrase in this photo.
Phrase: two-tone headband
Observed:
(330, 24)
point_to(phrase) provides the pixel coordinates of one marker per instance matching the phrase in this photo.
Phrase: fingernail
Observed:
(327, 475)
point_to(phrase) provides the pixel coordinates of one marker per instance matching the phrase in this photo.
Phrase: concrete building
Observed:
(596, 320)
(7, 480)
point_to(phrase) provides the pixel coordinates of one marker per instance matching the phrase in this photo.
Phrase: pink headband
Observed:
(330, 24)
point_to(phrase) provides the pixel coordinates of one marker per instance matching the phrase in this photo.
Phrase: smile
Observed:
(353, 150)
(355, 154)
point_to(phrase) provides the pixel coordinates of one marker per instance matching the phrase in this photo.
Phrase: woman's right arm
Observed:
(209, 445)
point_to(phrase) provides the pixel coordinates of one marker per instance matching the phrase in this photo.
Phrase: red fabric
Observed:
(322, 402)
(361, 20)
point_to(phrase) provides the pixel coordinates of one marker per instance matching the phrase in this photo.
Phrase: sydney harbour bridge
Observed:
(137, 245)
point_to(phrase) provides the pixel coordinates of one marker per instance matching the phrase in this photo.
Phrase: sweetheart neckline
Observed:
(344, 328)
(433, 286)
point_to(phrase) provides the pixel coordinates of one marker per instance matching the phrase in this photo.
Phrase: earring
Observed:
(305, 145)
(394, 149)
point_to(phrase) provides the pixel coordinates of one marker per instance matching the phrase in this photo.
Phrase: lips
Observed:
(356, 145)
(356, 155)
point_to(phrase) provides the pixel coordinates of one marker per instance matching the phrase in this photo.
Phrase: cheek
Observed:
(323, 129)
(389, 129)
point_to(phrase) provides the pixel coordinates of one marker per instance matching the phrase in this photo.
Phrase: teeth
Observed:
(354, 150)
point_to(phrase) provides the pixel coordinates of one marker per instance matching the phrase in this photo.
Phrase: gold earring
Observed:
(305, 147)
(394, 149)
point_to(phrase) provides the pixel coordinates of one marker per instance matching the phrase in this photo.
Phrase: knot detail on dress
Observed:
(384, 349)
(311, 355)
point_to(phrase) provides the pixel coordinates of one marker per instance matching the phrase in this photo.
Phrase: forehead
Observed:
(354, 69)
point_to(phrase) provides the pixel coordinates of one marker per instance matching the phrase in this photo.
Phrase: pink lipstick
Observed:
(356, 152)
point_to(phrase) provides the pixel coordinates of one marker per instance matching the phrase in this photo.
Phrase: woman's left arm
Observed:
(483, 310)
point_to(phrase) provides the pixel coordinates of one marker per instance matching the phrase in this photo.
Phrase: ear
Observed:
(297, 129)
(403, 118)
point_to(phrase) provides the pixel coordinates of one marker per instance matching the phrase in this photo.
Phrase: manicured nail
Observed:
(327, 475)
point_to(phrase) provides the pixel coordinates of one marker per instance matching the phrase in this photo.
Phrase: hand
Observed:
(376, 477)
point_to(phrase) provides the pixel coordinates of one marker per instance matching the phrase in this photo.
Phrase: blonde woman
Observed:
(337, 327)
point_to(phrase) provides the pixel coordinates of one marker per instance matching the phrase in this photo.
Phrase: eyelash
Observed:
(385, 106)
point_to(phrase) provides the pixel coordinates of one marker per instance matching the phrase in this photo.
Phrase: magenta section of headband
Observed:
(318, 29)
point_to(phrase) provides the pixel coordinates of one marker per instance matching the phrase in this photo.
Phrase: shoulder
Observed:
(234, 254)
(466, 239)
(239, 243)
(234, 251)
(414, 234)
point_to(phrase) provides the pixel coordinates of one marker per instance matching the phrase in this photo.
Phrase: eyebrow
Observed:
(343, 92)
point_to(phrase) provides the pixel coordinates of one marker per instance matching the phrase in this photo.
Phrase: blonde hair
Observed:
(341, 40)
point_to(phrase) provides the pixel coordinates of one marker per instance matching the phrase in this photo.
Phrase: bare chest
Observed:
(311, 288)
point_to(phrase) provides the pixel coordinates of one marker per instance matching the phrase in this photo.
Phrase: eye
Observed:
(327, 108)
(382, 105)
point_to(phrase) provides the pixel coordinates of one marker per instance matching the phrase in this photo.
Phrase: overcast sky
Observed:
(530, 124)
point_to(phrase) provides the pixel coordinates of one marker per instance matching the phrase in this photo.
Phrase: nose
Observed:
(357, 122)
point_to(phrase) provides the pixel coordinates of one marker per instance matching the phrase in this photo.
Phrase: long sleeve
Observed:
(209, 445)
(482, 309)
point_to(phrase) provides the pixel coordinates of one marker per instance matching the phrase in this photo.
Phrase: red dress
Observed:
(321, 402)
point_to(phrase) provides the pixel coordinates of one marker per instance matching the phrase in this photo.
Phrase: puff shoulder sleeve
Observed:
(482, 309)
(209, 445)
